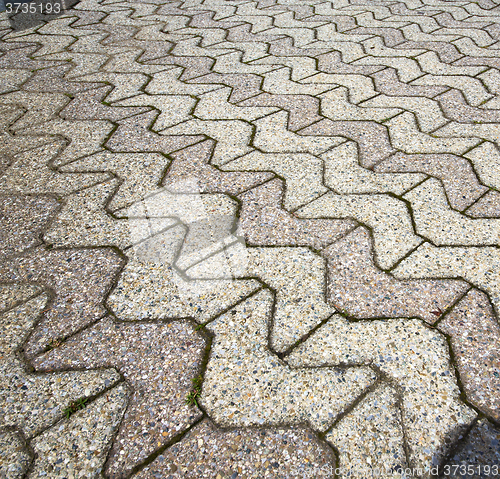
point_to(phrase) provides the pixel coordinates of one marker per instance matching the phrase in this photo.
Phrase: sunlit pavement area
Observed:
(250, 239)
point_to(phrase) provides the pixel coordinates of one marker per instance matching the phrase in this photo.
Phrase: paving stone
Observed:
(370, 438)
(372, 138)
(22, 219)
(206, 451)
(133, 135)
(14, 457)
(34, 402)
(187, 156)
(272, 392)
(79, 279)
(473, 330)
(387, 217)
(157, 409)
(479, 451)
(14, 294)
(403, 350)
(453, 171)
(344, 175)
(357, 287)
(78, 446)
(191, 165)
(436, 221)
(303, 173)
(265, 222)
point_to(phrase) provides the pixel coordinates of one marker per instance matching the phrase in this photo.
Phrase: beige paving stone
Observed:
(410, 354)
(360, 87)
(78, 446)
(344, 175)
(471, 87)
(279, 82)
(427, 111)
(388, 218)
(214, 105)
(167, 83)
(272, 136)
(303, 173)
(264, 221)
(14, 456)
(149, 287)
(31, 173)
(406, 136)
(475, 264)
(454, 171)
(370, 438)
(335, 105)
(41, 106)
(271, 392)
(232, 136)
(439, 223)
(22, 221)
(138, 173)
(486, 160)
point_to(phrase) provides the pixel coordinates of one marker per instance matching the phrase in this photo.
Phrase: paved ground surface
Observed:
(251, 239)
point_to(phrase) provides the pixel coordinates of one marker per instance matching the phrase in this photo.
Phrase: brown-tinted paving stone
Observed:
(79, 280)
(303, 108)
(372, 138)
(191, 163)
(89, 105)
(459, 180)
(480, 451)
(30, 172)
(133, 134)
(22, 58)
(22, 219)
(486, 207)
(33, 402)
(208, 452)
(475, 340)
(14, 456)
(357, 287)
(52, 80)
(387, 82)
(456, 108)
(264, 221)
(158, 361)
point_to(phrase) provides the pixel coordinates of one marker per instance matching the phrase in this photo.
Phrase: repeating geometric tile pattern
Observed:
(285, 210)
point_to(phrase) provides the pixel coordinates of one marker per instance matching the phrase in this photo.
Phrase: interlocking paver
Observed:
(312, 184)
